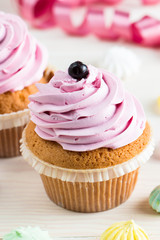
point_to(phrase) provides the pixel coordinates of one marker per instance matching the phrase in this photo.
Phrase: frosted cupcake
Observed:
(23, 62)
(87, 138)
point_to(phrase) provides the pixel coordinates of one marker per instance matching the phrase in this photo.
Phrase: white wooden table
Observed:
(23, 200)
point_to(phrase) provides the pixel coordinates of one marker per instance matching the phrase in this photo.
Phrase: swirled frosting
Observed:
(88, 114)
(22, 58)
(27, 233)
(124, 230)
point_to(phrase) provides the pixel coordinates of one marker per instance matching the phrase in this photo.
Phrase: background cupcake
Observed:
(23, 62)
(87, 139)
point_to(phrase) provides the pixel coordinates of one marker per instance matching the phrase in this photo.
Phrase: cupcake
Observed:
(23, 62)
(87, 139)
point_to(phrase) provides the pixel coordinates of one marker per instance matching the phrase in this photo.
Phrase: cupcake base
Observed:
(90, 197)
(88, 190)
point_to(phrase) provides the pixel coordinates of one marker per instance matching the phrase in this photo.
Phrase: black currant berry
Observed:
(78, 70)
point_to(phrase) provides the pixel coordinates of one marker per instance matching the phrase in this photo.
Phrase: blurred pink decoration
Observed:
(147, 31)
(49, 13)
(86, 2)
(150, 1)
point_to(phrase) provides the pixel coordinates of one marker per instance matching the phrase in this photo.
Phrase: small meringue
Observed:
(124, 230)
(122, 62)
(27, 233)
(154, 199)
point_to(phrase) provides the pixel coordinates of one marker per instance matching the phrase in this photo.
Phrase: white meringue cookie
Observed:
(122, 62)
(128, 230)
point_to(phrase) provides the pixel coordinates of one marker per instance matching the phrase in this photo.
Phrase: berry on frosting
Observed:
(78, 70)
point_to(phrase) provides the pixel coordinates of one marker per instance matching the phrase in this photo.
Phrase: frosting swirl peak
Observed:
(22, 59)
(88, 114)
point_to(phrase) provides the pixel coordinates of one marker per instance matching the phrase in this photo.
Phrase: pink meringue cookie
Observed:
(22, 59)
(88, 114)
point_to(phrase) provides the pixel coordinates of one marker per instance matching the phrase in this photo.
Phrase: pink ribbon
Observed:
(87, 2)
(49, 13)
(146, 31)
(150, 1)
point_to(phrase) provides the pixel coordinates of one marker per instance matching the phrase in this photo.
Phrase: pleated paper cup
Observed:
(11, 128)
(90, 190)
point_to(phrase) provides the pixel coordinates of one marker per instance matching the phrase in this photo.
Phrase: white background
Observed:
(23, 200)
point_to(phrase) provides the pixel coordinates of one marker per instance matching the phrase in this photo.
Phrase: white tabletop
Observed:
(23, 200)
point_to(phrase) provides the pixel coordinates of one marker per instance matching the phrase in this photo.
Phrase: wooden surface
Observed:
(23, 200)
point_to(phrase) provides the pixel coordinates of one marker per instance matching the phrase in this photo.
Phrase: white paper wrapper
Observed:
(11, 128)
(15, 119)
(87, 175)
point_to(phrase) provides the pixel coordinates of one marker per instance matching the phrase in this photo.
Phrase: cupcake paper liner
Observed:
(15, 119)
(90, 196)
(90, 190)
(11, 128)
(86, 175)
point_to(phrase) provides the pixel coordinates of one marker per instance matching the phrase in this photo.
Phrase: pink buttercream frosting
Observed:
(88, 114)
(22, 58)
